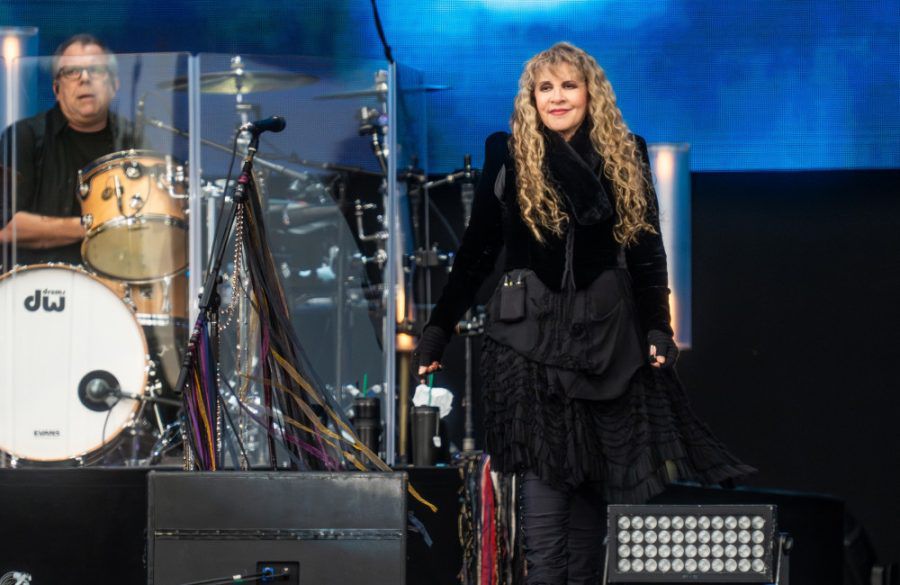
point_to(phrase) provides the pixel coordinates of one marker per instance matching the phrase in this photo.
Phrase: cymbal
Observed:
(379, 90)
(239, 81)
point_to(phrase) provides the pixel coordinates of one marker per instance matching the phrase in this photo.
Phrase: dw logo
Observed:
(35, 302)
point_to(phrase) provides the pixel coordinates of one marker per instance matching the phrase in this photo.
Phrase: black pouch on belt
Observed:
(512, 297)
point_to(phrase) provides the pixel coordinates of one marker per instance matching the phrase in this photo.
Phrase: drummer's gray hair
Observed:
(84, 39)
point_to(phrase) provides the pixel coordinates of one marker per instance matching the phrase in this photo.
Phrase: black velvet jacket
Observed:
(497, 223)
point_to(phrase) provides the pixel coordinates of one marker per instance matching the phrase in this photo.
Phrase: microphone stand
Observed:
(467, 194)
(209, 301)
(150, 399)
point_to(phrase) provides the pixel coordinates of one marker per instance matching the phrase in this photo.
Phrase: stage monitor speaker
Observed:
(331, 527)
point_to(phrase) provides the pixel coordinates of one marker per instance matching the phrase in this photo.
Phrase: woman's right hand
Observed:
(427, 357)
(429, 369)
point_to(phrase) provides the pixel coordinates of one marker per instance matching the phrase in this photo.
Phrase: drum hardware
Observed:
(151, 373)
(467, 173)
(467, 189)
(109, 394)
(359, 210)
(379, 258)
(371, 121)
(155, 389)
(380, 237)
(472, 325)
(145, 444)
(169, 438)
(374, 123)
(466, 178)
(431, 258)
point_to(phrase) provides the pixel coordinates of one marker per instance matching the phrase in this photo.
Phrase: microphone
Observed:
(99, 390)
(271, 124)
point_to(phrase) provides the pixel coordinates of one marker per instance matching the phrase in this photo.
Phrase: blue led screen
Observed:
(764, 84)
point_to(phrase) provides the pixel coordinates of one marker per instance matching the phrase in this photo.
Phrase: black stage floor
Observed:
(88, 526)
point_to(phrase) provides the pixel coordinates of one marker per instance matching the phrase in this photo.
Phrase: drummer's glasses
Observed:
(74, 72)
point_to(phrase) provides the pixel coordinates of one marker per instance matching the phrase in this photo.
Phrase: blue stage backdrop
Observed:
(764, 84)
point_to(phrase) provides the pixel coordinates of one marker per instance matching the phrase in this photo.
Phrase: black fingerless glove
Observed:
(431, 346)
(665, 346)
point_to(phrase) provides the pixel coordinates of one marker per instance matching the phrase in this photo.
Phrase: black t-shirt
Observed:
(82, 148)
(79, 150)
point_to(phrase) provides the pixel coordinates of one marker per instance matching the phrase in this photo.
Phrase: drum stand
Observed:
(473, 321)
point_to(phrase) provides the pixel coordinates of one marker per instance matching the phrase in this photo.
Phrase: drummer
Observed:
(52, 146)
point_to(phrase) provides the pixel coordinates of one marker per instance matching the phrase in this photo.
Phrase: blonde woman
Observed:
(580, 396)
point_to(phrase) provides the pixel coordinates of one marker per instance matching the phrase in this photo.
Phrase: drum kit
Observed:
(97, 349)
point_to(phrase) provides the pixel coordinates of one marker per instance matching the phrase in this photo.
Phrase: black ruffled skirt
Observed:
(625, 443)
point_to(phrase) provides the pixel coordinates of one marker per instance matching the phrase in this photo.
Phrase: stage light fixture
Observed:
(697, 543)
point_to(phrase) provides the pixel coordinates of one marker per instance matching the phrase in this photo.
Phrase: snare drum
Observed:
(68, 341)
(133, 206)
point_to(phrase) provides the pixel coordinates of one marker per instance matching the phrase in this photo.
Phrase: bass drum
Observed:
(68, 342)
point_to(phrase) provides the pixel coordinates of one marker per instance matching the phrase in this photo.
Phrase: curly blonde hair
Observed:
(540, 203)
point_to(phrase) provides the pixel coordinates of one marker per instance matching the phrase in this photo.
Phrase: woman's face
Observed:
(561, 98)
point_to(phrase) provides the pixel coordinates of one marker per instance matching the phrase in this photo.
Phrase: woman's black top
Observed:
(497, 223)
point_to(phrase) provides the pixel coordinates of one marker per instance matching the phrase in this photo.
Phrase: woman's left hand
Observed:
(663, 351)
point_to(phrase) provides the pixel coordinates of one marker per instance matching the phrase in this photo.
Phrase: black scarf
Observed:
(575, 167)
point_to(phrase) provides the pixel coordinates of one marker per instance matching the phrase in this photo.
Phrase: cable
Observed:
(106, 422)
(387, 47)
(234, 429)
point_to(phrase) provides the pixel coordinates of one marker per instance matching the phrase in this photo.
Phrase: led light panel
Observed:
(722, 544)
